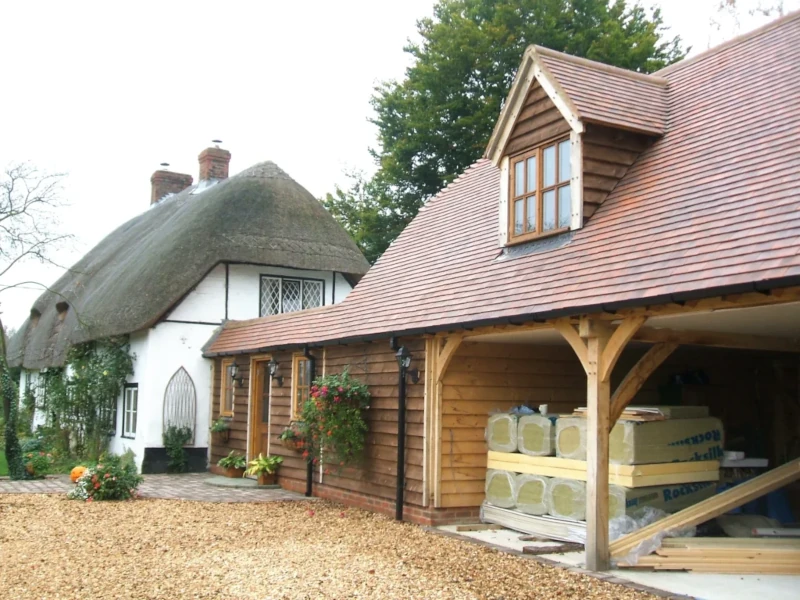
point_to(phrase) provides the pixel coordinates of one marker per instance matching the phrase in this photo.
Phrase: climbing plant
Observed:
(175, 439)
(81, 398)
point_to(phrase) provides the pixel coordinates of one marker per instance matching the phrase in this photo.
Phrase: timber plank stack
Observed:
(725, 555)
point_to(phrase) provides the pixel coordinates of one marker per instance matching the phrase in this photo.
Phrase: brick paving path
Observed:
(189, 486)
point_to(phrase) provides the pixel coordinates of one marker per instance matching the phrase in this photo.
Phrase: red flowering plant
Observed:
(333, 419)
(113, 478)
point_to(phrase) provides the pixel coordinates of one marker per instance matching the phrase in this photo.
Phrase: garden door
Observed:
(259, 424)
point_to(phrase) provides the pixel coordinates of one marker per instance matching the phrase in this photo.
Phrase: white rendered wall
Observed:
(118, 444)
(244, 287)
(206, 302)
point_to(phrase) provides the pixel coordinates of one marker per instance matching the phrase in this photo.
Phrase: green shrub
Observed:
(234, 460)
(37, 464)
(175, 438)
(113, 478)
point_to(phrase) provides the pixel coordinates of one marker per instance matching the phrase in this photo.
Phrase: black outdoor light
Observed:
(273, 371)
(404, 361)
(235, 377)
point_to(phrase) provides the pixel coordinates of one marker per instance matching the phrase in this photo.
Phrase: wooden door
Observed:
(260, 418)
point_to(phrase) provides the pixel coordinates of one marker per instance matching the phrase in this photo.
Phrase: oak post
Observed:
(598, 395)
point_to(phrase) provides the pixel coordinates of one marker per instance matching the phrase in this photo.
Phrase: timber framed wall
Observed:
(753, 392)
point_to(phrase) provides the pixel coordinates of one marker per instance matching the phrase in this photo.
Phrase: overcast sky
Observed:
(105, 92)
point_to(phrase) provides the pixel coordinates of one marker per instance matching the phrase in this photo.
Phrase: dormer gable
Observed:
(568, 133)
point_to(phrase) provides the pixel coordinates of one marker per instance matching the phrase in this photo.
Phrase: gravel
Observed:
(55, 548)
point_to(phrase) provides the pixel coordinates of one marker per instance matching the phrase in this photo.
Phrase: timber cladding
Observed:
(373, 364)
(482, 378)
(538, 121)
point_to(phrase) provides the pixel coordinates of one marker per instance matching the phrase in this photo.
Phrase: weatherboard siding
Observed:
(484, 378)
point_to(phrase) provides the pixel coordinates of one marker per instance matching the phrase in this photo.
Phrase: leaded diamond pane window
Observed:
(312, 294)
(284, 295)
(270, 296)
(291, 296)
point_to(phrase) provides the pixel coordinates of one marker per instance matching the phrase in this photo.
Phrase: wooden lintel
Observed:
(616, 344)
(637, 377)
(570, 334)
(505, 328)
(719, 340)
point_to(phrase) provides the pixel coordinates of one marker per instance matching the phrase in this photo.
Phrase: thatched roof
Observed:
(137, 273)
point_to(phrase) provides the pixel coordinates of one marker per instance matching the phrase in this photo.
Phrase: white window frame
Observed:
(130, 408)
(280, 279)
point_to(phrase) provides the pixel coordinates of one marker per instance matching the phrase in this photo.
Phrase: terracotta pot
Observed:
(267, 478)
(29, 468)
(231, 472)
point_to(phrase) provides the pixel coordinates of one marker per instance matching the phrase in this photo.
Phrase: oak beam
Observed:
(598, 392)
(719, 340)
(570, 334)
(616, 344)
(446, 355)
(637, 377)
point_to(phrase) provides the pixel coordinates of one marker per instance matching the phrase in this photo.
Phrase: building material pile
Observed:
(725, 555)
(532, 482)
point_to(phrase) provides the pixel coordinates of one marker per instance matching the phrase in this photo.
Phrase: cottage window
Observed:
(226, 389)
(289, 294)
(130, 406)
(539, 191)
(300, 383)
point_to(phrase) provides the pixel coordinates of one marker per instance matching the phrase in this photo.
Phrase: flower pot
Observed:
(29, 468)
(294, 444)
(231, 472)
(267, 478)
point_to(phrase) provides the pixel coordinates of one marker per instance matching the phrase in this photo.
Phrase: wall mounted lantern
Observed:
(235, 377)
(273, 371)
(404, 361)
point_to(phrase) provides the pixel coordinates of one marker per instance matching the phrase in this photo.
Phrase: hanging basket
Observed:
(294, 444)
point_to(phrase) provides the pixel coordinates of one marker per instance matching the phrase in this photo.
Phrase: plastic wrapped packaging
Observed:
(536, 435)
(635, 443)
(566, 499)
(636, 520)
(501, 488)
(616, 501)
(531, 497)
(501, 432)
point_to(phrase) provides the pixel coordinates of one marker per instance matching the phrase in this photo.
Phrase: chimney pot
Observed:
(166, 182)
(214, 163)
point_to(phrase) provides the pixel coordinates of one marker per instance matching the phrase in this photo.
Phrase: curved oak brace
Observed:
(616, 344)
(569, 333)
(637, 377)
(446, 355)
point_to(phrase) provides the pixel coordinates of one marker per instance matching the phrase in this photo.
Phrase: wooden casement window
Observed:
(539, 191)
(226, 389)
(130, 409)
(300, 383)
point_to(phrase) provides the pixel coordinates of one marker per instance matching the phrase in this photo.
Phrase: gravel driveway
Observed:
(55, 548)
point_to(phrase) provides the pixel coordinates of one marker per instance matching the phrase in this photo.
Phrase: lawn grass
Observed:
(3, 464)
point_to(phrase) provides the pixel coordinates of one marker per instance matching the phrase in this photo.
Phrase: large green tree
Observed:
(437, 120)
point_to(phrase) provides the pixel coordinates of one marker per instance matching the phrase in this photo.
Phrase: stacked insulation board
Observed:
(531, 486)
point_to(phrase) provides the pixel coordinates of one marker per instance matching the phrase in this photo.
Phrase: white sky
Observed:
(105, 92)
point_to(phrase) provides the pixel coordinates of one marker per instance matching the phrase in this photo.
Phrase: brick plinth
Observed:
(415, 514)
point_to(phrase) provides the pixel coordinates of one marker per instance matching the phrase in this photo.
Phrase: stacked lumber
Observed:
(709, 509)
(725, 555)
(630, 476)
(654, 413)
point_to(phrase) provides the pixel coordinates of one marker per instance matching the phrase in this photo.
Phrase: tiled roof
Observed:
(608, 95)
(713, 204)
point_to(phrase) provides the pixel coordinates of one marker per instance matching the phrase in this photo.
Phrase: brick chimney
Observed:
(166, 182)
(214, 163)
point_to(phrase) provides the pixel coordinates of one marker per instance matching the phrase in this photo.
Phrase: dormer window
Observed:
(540, 191)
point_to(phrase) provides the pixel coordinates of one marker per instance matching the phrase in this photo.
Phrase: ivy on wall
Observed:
(80, 399)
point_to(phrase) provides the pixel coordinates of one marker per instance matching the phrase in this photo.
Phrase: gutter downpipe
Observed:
(312, 367)
(401, 434)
